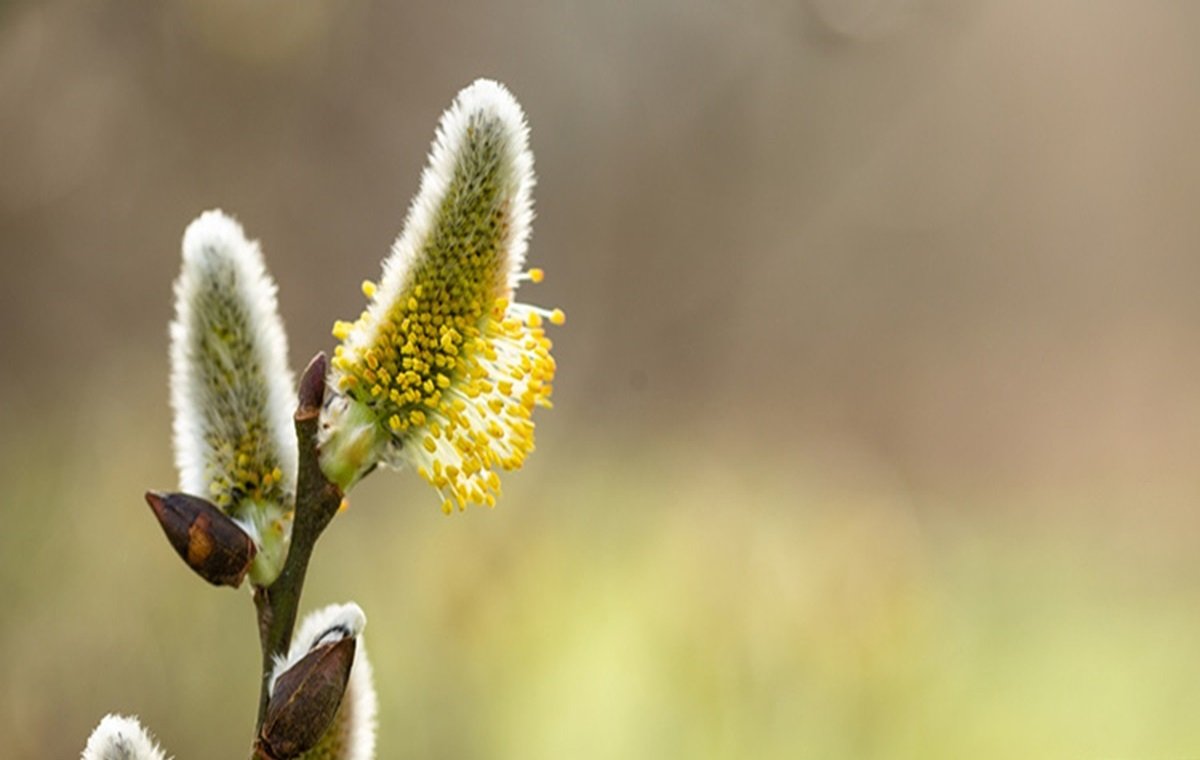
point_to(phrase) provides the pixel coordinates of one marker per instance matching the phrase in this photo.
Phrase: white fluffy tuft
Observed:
(482, 101)
(120, 738)
(363, 707)
(214, 246)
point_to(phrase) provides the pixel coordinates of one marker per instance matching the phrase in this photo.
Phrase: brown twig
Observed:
(317, 501)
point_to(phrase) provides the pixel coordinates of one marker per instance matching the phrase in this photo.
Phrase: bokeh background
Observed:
(878, 416)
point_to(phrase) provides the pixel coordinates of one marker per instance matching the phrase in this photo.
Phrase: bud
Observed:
(312, 386)
(351, 736)
(322, 702)
(205, 537)
(305, 698)
(444, 368)
(231, 388)
(121, 738)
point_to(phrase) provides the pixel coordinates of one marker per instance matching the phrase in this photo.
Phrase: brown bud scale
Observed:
(305, 700)
(311, 394)
(207, 539)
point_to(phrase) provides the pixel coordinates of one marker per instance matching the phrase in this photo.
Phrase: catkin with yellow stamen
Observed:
(443, 369)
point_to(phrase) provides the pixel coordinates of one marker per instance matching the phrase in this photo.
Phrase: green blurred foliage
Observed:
(668, 601)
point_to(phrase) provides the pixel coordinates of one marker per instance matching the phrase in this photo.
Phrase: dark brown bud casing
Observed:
(311, 394)
(305, 700)
(207, 539)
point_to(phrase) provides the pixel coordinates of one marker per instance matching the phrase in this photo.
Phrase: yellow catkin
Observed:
(450, 365)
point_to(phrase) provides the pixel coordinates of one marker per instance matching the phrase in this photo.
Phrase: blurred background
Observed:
(878, 412)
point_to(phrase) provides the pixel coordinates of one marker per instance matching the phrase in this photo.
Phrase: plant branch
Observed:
(317, 501)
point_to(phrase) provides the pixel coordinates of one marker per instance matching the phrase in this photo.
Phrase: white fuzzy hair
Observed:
(214, 246)
(356, 718)
(120, 738)
(359, 709)
(482, 101)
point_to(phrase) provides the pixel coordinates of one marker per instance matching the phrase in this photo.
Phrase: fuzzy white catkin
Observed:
(494, 102)
(352, 734)
(215, 390)
(120, 738)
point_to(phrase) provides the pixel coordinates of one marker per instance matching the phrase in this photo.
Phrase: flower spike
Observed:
(231, 388)
(444, 368)
(121, 738)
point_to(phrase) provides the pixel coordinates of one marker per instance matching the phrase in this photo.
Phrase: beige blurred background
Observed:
(878, 414)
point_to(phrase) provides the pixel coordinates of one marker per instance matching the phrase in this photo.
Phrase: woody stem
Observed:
(317, 501)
